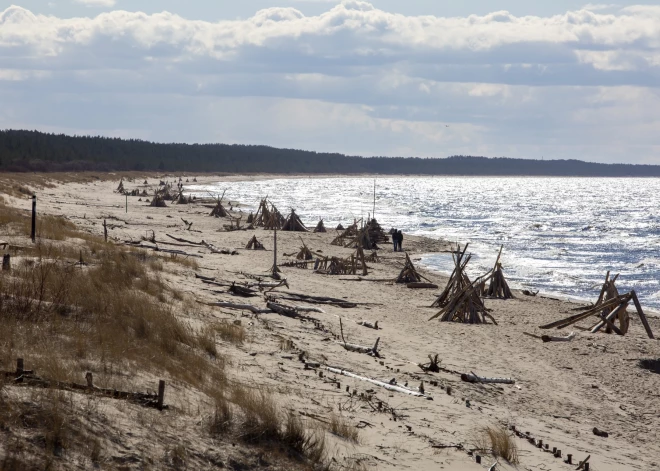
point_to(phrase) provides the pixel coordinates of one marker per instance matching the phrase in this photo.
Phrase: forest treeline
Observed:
(29, 151)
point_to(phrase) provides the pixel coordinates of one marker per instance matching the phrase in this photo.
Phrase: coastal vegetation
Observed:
(33, 151)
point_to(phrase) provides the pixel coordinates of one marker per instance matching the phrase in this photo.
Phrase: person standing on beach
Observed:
(394, 237)
(399, 237)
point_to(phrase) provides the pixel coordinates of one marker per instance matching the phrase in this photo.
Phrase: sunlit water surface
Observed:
(560, 235)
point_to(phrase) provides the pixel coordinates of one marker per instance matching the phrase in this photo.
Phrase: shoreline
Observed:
(548, 293)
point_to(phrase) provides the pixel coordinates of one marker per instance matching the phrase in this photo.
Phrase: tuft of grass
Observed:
(206, 341)
(342, 428)
(222, 420)
(499, 442)
(310, 443)
(229, 332)
(261, 421)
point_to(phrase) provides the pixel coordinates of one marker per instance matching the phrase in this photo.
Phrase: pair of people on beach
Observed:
(397, 240)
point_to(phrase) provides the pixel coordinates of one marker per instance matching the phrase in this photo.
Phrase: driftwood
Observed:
(369, 325)
(240, 307)
(567, 338)
(186, 241)
(473, 378)
(382, 384)
(421, 285)
(254, 244)
(373, 351)
(242, 291)
(214, 249)
(408, 274)
(320, 227)
(293, 223)
(319, 300)
(498, 287)
(460, 301)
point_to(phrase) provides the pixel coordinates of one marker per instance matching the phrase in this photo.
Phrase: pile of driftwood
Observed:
(219, 210)
(376, 233)
(343, 266)
(158, 201)
(610, 308)
(460, 301)
(349, 233)
(320, 227)
(498, 287)
(254, 244)
(305, 253)
(293, 223)
(267, 216)
(408, 273)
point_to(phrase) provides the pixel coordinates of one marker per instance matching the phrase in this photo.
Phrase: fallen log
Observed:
(205, 278)
(382, 384)
(240, 307)
(473, 378)
(372, 351)
(186, 241)
(420, 285)
(370, 325)
(549, 338)
(214, 249)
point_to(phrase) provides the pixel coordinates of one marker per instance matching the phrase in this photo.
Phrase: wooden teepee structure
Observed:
(610, 308)
(340, 227)
(293, 223)
(305, 253)
(320, 227)
(267, 216)
(219, 210)
(254, 244)
(498, 287)
(408, 273)
(460, 300)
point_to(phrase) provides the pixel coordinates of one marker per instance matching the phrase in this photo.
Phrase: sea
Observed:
(560, 235)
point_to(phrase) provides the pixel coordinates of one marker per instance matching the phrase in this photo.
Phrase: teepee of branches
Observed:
(498, 287)
(219, 210)
(408, 273)
(609, 308)
(293, 223)
(267, 216)
(320, 227)
(254, 244)
(305, 253)
(460, 300)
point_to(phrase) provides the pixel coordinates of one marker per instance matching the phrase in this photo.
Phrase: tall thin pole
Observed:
(275, 250)
(127, 202)
(373, 214)
(33, 233)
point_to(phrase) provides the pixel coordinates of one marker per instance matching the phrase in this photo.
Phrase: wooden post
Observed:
(90, 380)
(586, 466)
(19, 369)
(373, 215)
(33, 233)
(105, 230)
(642, 316)
(569, 459)
(126, 202)
(161, 394)
(6, 262)
(477, 458)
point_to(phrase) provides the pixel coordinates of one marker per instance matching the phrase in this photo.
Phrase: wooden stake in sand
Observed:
(33, 232)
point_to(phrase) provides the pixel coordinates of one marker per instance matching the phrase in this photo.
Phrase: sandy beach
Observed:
(562, 390)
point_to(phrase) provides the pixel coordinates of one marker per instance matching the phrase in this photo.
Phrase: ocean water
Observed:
(560, 235)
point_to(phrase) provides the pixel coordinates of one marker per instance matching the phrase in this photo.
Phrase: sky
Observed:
(425, 78)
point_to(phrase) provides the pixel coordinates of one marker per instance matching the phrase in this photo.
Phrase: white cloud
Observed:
(355, 79)
(97, 3)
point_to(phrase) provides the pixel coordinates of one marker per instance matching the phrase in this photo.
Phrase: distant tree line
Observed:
(28, 151)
